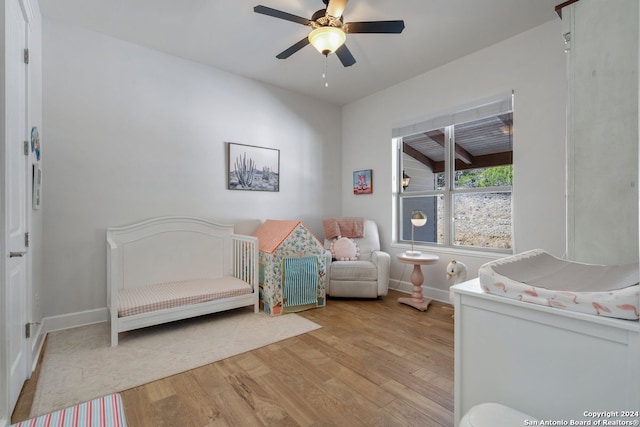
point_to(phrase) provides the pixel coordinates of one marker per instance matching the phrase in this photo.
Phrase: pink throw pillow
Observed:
(345, 249)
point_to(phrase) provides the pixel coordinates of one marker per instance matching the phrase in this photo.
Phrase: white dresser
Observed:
(546, 362)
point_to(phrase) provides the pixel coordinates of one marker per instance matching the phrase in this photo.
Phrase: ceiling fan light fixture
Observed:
(327, 40)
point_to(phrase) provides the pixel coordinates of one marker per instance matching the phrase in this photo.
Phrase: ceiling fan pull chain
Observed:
(324, 72)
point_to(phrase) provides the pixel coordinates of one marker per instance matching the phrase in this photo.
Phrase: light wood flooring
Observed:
(373, 363)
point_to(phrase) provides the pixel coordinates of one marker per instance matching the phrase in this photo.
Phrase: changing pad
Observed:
(540, 278)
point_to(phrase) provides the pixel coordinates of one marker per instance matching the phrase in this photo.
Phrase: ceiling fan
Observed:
(329, 31)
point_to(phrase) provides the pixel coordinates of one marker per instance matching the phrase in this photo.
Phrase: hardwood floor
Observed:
(373, 363)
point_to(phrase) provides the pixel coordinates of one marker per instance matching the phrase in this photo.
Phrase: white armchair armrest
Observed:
(382, 260)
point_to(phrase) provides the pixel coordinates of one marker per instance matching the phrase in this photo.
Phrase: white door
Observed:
(15, 199)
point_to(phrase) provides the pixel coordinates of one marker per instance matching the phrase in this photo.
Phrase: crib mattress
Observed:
(162, 296)
(538, 277)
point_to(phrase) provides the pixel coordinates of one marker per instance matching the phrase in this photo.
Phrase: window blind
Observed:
(487, 108)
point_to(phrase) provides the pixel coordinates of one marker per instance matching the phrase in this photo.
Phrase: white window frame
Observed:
(495, 106)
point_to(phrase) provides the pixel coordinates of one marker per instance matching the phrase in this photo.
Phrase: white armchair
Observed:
(368, 276)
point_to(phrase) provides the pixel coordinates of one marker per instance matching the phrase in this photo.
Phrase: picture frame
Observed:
(363, 181)
(252, 168)
(35, 142)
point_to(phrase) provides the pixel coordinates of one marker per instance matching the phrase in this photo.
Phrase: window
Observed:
(458, 170)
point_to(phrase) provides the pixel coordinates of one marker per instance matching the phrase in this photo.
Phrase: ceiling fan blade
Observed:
(335, 8)
(345, 56)
(293, 49)
(386, 27)
(280, 14)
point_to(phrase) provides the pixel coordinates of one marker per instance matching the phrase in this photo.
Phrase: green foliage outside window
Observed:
(496, 176)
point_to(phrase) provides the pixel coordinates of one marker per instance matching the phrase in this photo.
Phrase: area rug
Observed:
(79, 364)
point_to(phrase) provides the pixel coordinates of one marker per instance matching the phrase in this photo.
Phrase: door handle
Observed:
(17, 254)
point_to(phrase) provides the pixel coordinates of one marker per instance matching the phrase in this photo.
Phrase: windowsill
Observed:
(477, 253)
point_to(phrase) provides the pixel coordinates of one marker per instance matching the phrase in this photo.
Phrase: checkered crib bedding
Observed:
(162, 296)
(106, 411)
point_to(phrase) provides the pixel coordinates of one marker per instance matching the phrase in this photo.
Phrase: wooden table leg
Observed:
(416, 300)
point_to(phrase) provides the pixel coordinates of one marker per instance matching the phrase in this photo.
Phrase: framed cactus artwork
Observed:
(252, 168)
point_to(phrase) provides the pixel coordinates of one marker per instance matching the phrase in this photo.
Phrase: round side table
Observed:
(417, 300)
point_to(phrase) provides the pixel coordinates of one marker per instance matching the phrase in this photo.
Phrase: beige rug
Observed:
(79, 363)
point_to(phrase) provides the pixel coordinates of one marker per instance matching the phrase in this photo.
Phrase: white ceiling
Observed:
(228, 35)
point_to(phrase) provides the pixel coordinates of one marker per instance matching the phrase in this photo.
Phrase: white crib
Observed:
(172, 268)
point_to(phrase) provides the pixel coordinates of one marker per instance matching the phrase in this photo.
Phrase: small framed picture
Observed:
(363, 182)
(35, 142)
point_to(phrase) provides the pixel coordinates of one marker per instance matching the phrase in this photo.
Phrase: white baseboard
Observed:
(427, 292)
(73, 320)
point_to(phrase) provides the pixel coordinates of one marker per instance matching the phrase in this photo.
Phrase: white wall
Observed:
(533, 65)
(132, 133)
